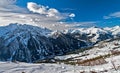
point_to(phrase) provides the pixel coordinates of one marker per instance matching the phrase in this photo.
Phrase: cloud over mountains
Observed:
(7, 2)
(45, 10)
(34, 14)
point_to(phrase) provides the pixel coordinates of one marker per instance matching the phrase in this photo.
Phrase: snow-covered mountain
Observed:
(93, 34)
(28, 43)
(114, 30)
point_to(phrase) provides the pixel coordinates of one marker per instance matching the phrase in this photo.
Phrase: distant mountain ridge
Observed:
(28, 43)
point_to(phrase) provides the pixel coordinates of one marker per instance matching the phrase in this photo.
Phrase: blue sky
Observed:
(85, 10)
(101, 13)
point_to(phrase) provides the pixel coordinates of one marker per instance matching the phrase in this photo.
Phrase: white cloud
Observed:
(49, 12)
(116, 14)
(9, 6)
(85, 24)
(7, 2)
(112, 15)
(11, 13)
(106, 17)
(32, 19)
(42, 16)
(52, 12)
(72, 15)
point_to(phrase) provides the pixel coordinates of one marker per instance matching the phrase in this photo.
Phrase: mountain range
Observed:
(27, 43)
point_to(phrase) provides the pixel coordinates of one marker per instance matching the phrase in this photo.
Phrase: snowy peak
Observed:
(114, 30)
(94, 34)
(91, 30)
(95, 30)
(23, 27)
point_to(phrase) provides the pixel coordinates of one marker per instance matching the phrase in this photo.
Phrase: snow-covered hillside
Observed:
(104, 57)
(111, 64)
(101, 48)
(7, 67)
